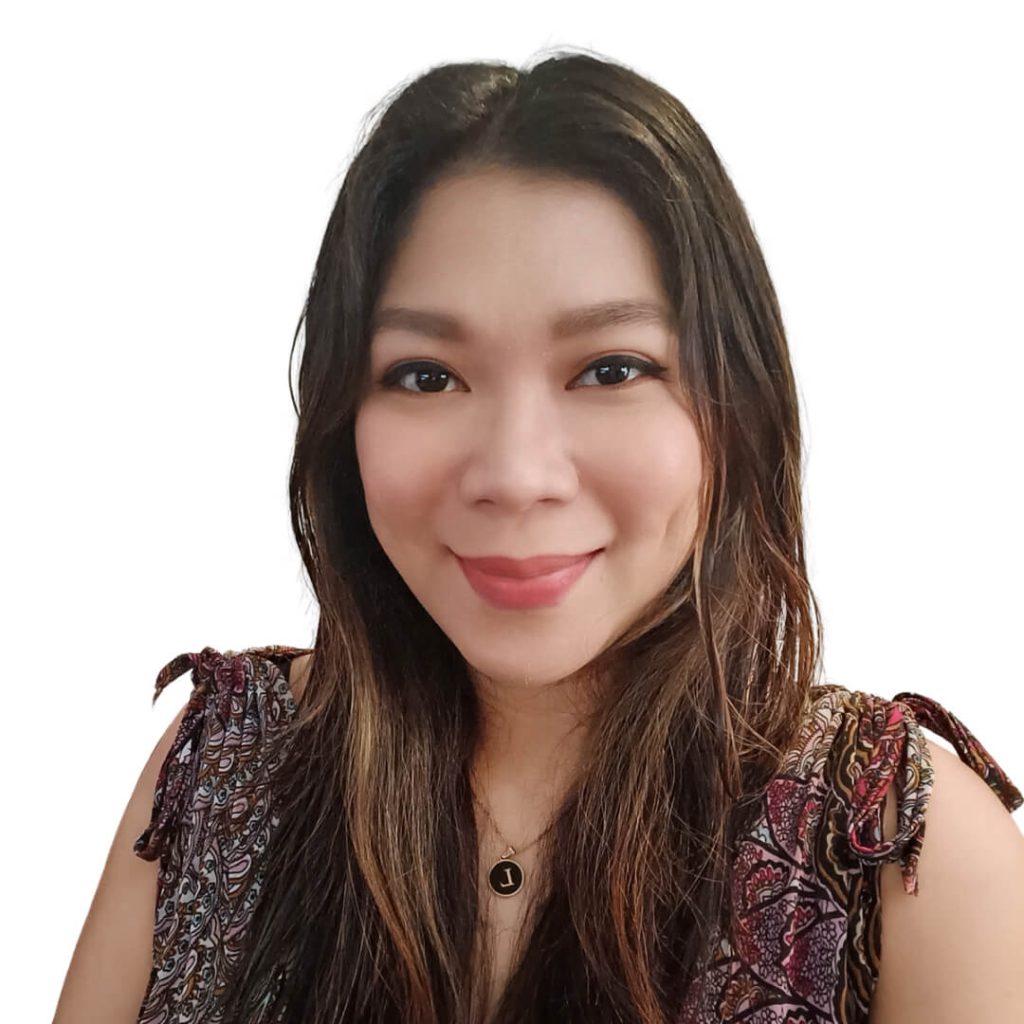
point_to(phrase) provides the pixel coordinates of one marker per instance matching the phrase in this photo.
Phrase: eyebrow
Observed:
(568, 323)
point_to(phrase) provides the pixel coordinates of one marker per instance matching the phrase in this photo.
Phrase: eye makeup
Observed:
(422, 368)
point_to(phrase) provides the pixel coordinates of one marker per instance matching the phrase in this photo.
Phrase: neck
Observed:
(529, 752)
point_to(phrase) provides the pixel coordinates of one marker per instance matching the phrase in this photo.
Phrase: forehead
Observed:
(504, 247)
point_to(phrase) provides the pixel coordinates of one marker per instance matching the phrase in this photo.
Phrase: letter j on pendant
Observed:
(506, 877)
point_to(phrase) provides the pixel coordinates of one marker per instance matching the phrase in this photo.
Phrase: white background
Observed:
(167, 178)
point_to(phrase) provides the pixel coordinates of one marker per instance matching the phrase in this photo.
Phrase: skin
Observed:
(953, 953)
(512, 460)
(525, 453)
(527, 450)
(509, 459)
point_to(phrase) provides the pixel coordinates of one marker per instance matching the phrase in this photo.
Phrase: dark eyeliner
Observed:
(636, 362)
(392, 376)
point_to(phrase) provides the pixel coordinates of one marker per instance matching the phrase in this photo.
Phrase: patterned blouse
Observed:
(805, 882)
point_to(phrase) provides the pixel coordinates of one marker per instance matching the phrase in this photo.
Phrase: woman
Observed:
(558, 753)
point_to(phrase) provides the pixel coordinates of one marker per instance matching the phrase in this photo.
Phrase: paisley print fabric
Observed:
(806, 943)
(211, 823)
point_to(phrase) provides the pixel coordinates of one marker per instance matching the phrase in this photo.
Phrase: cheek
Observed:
(398, 472)
(654, 471)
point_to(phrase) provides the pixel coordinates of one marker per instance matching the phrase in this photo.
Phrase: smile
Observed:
(525, 583)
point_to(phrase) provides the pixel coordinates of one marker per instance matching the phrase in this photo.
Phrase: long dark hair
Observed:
(369, 907)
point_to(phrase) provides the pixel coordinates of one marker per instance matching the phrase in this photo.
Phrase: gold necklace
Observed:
(506, 875)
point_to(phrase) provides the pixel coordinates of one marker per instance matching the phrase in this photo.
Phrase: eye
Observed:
(615, 369)
(610, 371)
(423, 372)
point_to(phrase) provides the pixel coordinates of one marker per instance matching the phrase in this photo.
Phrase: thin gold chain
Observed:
(511, 849)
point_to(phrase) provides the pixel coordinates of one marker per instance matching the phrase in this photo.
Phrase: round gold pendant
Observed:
(505, 877)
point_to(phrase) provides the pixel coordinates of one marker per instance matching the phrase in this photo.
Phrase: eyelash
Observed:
(396, 373)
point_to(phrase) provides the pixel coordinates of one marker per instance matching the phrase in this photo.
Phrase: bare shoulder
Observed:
(298, 674)
(952, 953)
(109, 970)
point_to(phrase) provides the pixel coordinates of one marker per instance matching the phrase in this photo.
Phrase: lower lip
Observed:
(534, 592)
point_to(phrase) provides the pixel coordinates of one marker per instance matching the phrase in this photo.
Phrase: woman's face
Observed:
(502, 435)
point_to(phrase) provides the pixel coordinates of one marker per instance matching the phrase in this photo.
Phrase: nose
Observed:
(521, 452)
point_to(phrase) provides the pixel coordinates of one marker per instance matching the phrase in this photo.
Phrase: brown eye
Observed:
(613, 370)
(432, 377)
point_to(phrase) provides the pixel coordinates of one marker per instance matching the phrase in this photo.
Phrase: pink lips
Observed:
(523, 568)
(526, 582)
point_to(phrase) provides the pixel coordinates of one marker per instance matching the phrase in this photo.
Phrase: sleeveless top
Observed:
(804, 885)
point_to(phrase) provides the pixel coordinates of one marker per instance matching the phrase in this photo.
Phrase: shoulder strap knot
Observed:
(892, 749)
(932, 715)
(212, 672)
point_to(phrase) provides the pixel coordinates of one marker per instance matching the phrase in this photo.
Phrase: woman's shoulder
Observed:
(213, 815)
(240, 701)
(857, 748)
(805, 887)
(954, 951)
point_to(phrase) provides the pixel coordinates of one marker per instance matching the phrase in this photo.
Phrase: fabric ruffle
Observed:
(211, 822)
(805, 885)
(804, 888)
(891, 750)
